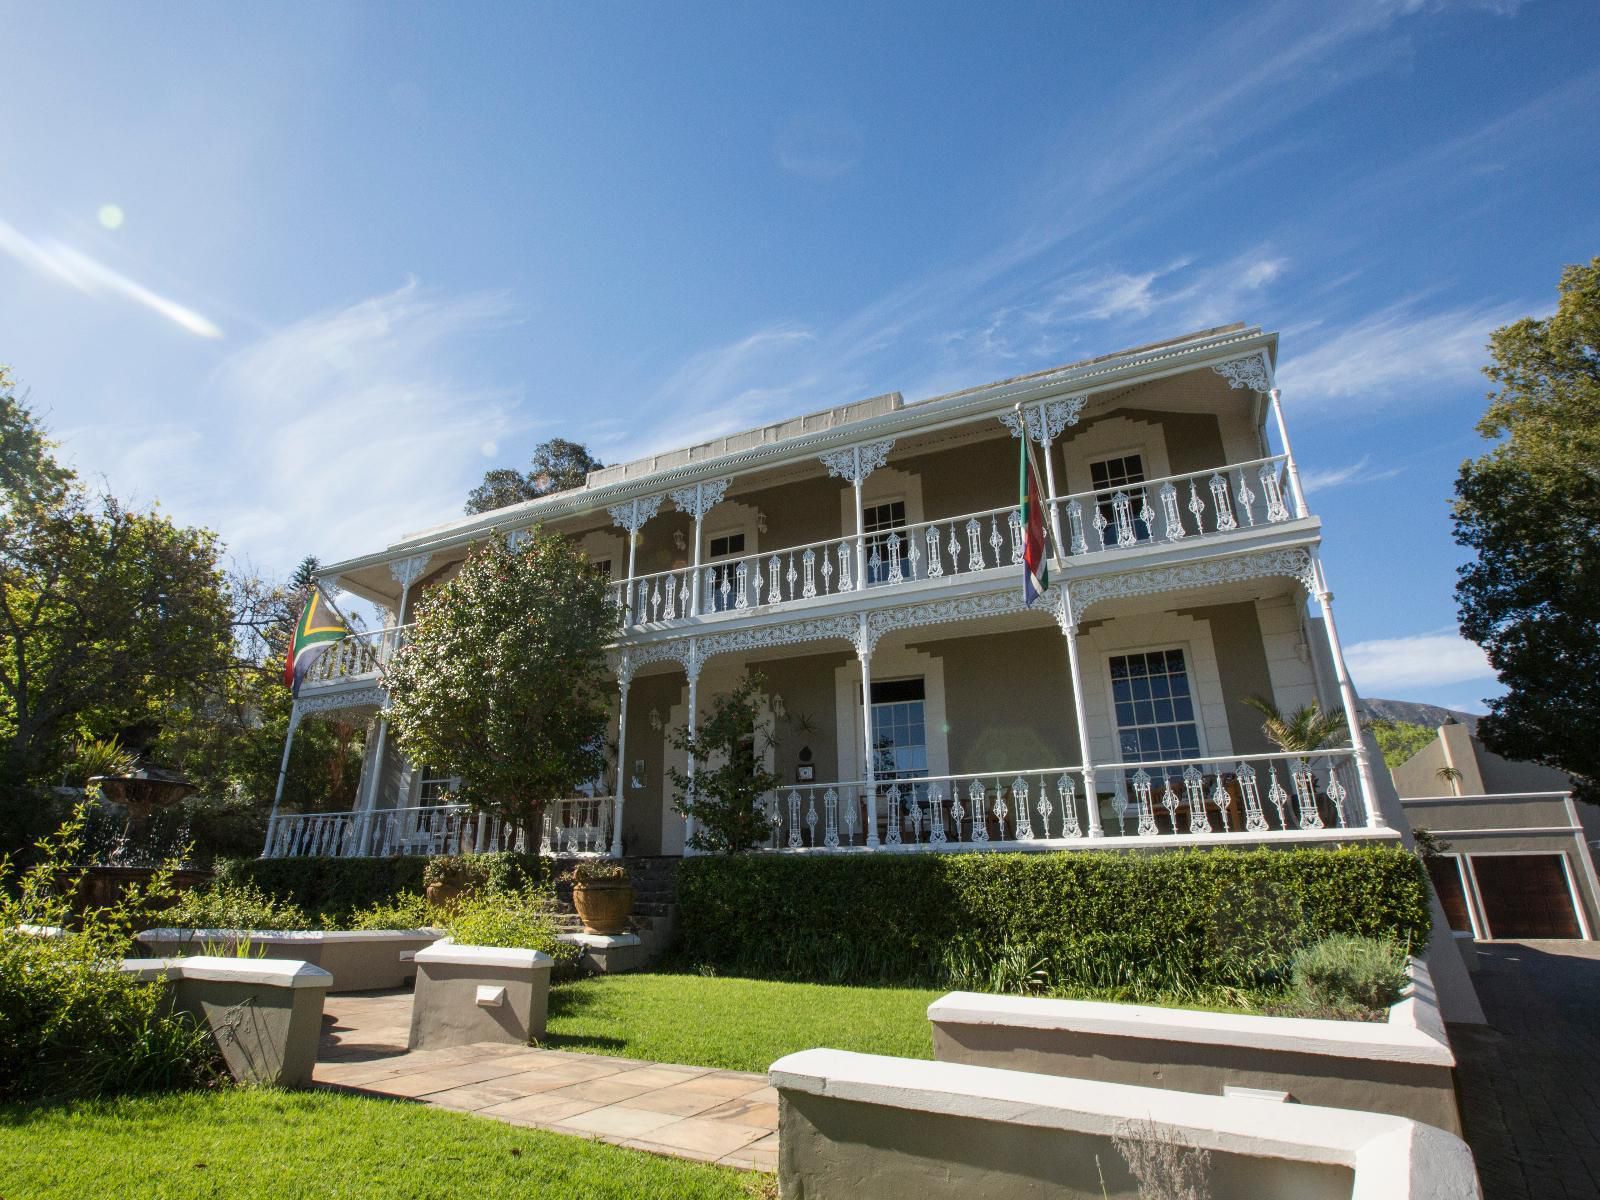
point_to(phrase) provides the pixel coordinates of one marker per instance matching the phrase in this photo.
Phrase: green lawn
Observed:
(734, 1024)
(244, 1144)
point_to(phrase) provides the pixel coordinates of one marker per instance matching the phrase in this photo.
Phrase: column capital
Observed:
(855, 463)
(406, 571)
(633, 514)
(1248, 371)
(1045, 421)
(700, 498)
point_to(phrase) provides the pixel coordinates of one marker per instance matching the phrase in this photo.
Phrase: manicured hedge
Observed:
(1181, 921)
(337, 886)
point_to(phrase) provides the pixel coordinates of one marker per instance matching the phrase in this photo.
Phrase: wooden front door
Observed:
(1526, 895)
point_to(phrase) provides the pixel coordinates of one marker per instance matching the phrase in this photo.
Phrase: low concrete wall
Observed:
(265, 1014)
(852, 1125)
(608, 954)
(1403, 1066)
(471, 994)
(359, 960)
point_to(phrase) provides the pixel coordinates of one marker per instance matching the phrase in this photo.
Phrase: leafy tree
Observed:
(557, 466)
(503, 681)
(1399, 740)
(731, 776)
(1529, 510)
(1306, 729)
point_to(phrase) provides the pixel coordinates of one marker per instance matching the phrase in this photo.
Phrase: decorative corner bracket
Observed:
(700, 498)
(1251, 371)
(1045, 421)
(406, 571)
(854, 463)
(633, 515)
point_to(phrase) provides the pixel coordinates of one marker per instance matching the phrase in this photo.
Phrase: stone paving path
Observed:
(1530, 1083)
(724, 1117)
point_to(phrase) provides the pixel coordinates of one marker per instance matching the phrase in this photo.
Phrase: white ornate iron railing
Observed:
(577, 826)
(1167, 511)
(1246, 794)
(357, 656)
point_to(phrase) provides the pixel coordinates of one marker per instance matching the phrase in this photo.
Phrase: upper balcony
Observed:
(1157, 457)
(1199, 511)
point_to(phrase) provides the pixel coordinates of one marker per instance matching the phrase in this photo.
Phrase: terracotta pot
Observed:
(603, 906)
(445, 893)
(105, 886)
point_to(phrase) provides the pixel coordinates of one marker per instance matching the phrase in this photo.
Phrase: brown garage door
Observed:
(1525, 896)
(1446, 873)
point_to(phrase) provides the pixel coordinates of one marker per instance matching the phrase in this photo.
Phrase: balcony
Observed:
(576, 827)
(1201, 508)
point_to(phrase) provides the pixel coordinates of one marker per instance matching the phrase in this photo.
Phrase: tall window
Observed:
(435, 784)
(1123, 475)
(728, 545)
(1155, 707)
(899, 730)
(876, 520)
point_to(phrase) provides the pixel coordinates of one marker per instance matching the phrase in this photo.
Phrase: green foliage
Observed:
(1348, 975)
(259, 1142)
(1399, 740)
(1306, 729)
(729, 747)
(524, 918)
(337, 891)
(596, 870)
(72, 1024)
(1184, 922)
(100, 756)
(1529, 510)
(229, 905)
(557, 466)
(406, 910)
(503, 681)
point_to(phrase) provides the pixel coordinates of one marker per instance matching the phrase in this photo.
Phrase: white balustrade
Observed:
(357, 656)
(577, 826)
(1246, 795)
(1213, 502)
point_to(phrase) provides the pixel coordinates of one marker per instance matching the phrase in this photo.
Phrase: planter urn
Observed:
(603, 905)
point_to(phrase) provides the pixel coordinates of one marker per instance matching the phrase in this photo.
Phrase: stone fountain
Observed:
(142, 793)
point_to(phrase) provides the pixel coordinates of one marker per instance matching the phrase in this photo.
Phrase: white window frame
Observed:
(1187, 649)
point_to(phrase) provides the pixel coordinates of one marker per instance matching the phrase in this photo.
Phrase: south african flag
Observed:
(318, 628)
(1035, 557)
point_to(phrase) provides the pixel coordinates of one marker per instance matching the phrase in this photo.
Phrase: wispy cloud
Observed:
(343, 430)
(1387, 666)
(1393, 349)
(819, 146)
(1361, 471)
(58, 261)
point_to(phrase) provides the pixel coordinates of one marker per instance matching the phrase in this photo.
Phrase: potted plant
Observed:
(603, 895)
(449, 877)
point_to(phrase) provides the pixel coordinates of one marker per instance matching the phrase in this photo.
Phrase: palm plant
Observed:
(1451, 776)
(1304, 730)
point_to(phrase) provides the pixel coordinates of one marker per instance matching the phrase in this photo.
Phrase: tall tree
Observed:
(557, 466)
(503, 681)
(1529, 510)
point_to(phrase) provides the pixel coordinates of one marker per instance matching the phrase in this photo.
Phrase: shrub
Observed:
(596, 870)
(1178, 922)
(408, 910)
(336, 889)
(72, 1024)
(525, 918)
(1343, 974)
(225, 905)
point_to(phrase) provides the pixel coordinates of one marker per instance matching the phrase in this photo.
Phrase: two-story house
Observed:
(865, 560)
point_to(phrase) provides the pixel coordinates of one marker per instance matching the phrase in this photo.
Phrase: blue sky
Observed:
(302, 272)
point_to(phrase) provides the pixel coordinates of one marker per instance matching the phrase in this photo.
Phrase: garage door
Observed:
(1446, 873)
(1525, 895)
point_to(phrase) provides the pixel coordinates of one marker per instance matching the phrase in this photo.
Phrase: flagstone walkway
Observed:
(724, 1117)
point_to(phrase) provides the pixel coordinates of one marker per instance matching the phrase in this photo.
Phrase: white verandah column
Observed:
(869, 768)
(853, 464)
(620, 794)
(1044, 422)
(1347, 694)
(632, 516)
(697, 501)
(691, 666)
(1067, 618)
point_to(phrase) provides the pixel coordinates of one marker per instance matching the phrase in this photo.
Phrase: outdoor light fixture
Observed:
(655, 719)
(678, 539)
(779, 710)
(761, 522)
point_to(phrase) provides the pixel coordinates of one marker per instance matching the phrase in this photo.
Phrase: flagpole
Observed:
(1033, 465)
